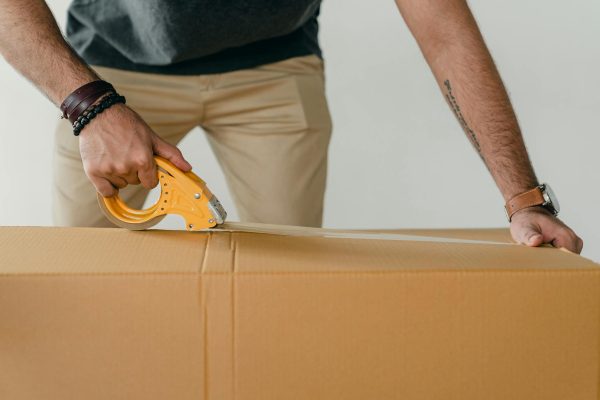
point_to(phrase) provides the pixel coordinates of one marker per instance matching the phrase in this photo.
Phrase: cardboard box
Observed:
(111, 314)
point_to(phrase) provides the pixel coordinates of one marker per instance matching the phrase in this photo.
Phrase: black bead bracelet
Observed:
(92, 112)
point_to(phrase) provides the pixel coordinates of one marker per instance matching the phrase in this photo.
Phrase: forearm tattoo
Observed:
(456, 108)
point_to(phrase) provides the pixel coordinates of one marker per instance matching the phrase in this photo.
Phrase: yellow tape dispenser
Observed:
(182, 193)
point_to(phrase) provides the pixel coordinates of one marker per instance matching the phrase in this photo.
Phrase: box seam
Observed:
(204, 262)
(232, 289)
(204, 308)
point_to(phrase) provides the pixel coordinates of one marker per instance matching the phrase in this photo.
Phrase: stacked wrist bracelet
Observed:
(81, 106)
(89, 114)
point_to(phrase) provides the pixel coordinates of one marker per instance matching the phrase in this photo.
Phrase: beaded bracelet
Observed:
(92, 112)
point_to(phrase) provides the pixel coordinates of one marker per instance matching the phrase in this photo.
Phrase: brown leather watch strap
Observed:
(530, 198)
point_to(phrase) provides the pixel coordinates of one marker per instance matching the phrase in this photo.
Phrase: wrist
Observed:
(540, 196)
(73, 83)
(522, 187)
(530, 210)
(108, 101)
(83, 97)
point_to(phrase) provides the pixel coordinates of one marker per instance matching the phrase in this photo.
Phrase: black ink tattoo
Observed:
(456, 108)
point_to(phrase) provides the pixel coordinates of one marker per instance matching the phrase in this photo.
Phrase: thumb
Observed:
(171, 153)
(531, 236)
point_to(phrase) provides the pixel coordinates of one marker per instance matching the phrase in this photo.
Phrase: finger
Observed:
(117, 181)
(148, 175)
(579, 245)
(103, 186)
(121, 175)
(171, 153)
(531, 235)
(131, 179)
(567, 240)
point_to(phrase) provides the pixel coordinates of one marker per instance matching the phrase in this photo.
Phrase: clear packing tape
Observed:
(288, 230)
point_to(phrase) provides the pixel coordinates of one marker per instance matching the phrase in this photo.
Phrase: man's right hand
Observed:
(117, 149)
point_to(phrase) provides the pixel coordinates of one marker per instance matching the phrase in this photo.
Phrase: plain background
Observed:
(398, 158)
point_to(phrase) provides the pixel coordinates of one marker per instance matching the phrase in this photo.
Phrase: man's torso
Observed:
(191, 37)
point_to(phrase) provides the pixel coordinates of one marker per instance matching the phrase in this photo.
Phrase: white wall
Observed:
(398, 157)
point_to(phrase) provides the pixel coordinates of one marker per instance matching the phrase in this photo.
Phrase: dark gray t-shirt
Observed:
(192, 37)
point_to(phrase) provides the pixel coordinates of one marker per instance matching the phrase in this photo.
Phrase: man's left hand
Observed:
(535, 226)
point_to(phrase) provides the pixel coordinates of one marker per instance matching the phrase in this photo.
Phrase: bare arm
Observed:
(31, 41)
(117, 147)
(452, 45)
(464, 70)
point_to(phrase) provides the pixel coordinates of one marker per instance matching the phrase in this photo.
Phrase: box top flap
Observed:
(45, 250)
(42, 250)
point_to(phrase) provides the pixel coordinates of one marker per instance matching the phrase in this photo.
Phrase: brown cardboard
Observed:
(112, 314)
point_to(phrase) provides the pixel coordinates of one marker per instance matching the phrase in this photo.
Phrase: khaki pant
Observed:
(269, 128)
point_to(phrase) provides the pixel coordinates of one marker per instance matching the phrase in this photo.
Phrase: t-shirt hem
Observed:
(201, 66)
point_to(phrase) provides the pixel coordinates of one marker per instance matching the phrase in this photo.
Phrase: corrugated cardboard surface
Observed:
(112, 314)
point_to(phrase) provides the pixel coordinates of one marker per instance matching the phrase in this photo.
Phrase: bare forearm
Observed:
(31, 42)
(469, 80)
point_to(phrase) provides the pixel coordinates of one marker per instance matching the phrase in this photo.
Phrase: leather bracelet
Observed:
(85, 104)
(90, 114)
(82, 92)
(94, 88)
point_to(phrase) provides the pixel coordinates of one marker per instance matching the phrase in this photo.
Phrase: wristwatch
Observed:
(541, 195)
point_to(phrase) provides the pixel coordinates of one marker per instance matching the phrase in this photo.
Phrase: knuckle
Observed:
(142, 162)
(151, 181)
(133, 180)
(105, 169)
(148, 184)
(120, 169)
(177, 151)
(572, 236)
(93, 169)
(105, 190)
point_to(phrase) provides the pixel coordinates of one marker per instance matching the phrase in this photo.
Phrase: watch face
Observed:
(550, 198)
